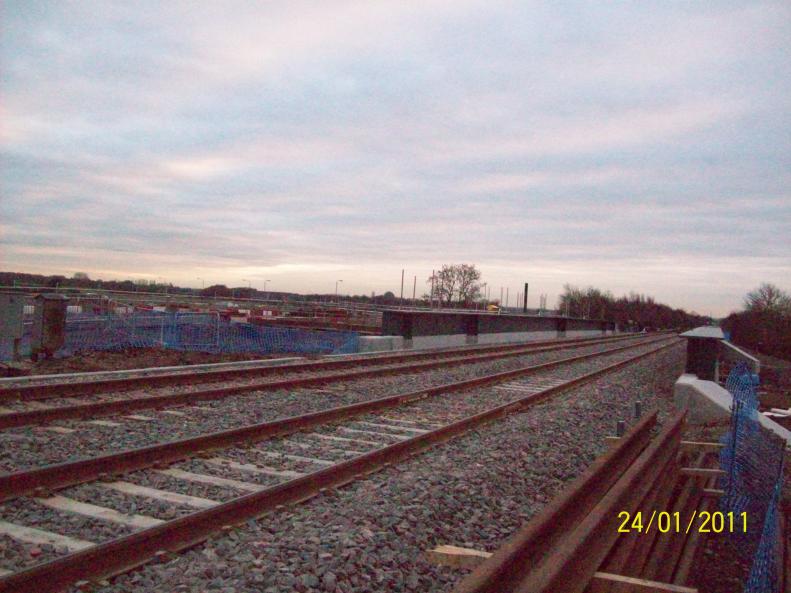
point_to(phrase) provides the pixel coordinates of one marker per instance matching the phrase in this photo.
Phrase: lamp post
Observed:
(336, 289)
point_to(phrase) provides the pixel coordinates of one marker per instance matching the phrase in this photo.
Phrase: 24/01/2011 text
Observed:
(665, 522)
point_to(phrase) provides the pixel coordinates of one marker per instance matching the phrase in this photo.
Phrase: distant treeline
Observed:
(765, 324)
(634, 310)
(82, 281)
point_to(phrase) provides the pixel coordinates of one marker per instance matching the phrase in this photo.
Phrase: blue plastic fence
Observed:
(752, 459)
(199, 332)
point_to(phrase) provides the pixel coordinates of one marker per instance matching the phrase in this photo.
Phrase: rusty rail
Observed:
(74, 472)
(563, 547)
(70, 389)
(127, 552)
(504, 569)
(106, 408)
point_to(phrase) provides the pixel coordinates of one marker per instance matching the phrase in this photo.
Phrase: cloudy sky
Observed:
(633, 145)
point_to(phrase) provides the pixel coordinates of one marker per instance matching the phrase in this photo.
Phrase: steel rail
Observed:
(125, 405)
(570, 566)
(68, 389)
(75, 472)
(121, 554)
(523, 551)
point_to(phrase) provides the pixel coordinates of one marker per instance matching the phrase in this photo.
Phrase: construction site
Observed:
(394, 450)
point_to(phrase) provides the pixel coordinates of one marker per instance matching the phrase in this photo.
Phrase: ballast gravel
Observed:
(34, 446)
(474, 491)
(297, 452)
(279, 373)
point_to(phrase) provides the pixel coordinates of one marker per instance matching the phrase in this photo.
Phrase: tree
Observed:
(765, 324)
(456, 281)
(219, 290)
(633, 310)
(767, 298)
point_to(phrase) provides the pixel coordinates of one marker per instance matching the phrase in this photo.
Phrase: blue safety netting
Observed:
(200, 332)
(765, 574)
(752, 459)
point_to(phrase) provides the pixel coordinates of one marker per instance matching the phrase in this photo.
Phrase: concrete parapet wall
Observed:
(503, 338)
(733, 354)
(380, 343)
(443, 328)
(583, 333)
(441, 341)
(707, 402)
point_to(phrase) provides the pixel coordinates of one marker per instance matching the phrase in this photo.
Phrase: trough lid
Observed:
(705, 331)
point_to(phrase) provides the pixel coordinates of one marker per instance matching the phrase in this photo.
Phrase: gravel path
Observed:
(28, 447)
(474, 491)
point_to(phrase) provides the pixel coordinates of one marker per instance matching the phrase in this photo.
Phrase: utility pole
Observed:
(401, 299)
(524, 306)
(501, 296)
(414, 289)
(507, 299)
(431, 300)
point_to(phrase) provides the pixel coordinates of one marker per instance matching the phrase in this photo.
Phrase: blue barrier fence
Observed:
(201, 332)
(752, 459)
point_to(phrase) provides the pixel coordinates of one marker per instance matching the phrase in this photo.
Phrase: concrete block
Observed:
(583, 333)
(380, 343)
(734, 354)
(707, 401)
(440, 341)
(506, 337)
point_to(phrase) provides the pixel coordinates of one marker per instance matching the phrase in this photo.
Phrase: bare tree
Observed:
(468, 282)
(768, 297)
(444, 284)
(460, 282)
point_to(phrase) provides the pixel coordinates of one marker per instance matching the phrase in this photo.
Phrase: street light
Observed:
(336, 289)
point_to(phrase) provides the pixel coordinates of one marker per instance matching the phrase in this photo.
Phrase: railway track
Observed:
(150, 502)
(59, 386)
(23, 406)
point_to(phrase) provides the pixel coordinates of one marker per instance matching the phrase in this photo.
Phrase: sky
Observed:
(632, 146)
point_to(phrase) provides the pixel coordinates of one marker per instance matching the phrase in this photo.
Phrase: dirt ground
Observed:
(132, 358)
(775, 382)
